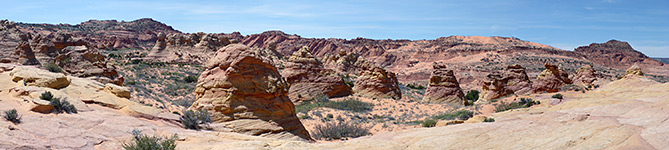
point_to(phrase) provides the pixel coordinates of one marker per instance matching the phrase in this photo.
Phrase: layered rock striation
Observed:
(309, 79)
(444, 87)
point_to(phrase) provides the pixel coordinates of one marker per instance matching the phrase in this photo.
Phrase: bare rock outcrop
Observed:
(444, 87)
(191, 47)
(585, 76)
(634, 71)
(31, 76)
(376, 82)
(308, 78)
(83, 62)
(513, 80)
(551, 79)
(614, 53)
(245, 93)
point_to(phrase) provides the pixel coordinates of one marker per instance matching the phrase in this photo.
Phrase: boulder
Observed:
(376, 82)
(308, 79)
(444, 87)
(551, 80)
(246, 94)
(117, 90)
(32, 76)
(634, 71)
(513, 80)
(83, 62)
(585, 76)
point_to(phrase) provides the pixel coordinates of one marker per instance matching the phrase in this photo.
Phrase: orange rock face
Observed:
(585, 76)
(444, 87)
(308, 79)
(245, 93)
(376, 82)
(551, 79)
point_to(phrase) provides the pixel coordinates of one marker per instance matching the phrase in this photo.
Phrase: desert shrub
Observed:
(46, 96)
(489, 120)
(429, 123)
(190, 79)
(339, 130)
(348, 105)
(62, 106)
(53, 68)
(462, 115)
(349, 83)
(12, 116)
(558, 96)
(472, 96)
(144, 142)
(414, 86)
(523, 103)
(193, 120)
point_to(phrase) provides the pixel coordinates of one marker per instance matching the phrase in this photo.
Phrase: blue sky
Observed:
(564, 24)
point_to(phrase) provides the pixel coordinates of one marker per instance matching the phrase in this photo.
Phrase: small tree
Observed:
(472, 96)
(558, 96)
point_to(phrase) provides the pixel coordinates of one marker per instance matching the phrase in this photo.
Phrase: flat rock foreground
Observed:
(630, 113)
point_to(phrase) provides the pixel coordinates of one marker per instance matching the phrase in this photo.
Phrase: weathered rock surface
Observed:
(551, 79)
(585, 76)
(308, 78)
(513, 80)
(246, 94)
(83, 62)
(32, 76)
(634, 71)
(178, 47)
(117, 90)
(444, 87)
(376, 82)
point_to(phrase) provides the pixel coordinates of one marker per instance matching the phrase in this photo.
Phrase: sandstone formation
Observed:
(246, 94)
(31, 76)
(376, 82)
(309, 80)
(83, 62)
(444, 87)
(178, 47)
(634, 71)
(551, 79)
(513, 80)
(585, 76)
(614, 53)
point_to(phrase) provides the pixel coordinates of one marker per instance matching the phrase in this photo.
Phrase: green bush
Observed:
(12, 116)
(429, 123)
(472, 96)
(489, 120)
(414, 86)
(190, 79)
(462, 115)
(523, 103)
(46, 96)
(349, 83)
(62, 106)
(348, 105)
(558, 96)
(339, 130)
(53, 68)
(144, 142)
(193, 120)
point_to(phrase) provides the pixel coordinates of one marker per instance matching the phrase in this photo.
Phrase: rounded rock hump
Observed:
(551, 79)
(310, 80)
(245, 93)
(444, 87)
(634, 71)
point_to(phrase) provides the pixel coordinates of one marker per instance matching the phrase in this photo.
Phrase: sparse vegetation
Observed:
(472, 96)
(190, 79)
(523, 103)
(62, 106)
(53, 68)
(429, 123)
(558, 96)
(339, 130)
(12, 116)
(193, 120)
(489, 120)
(414, 86)
(46, 96)
(461, 115)
(348, 105)
(144, 142)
